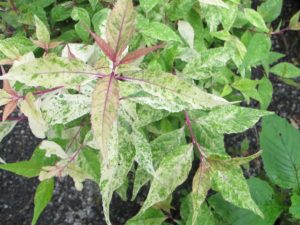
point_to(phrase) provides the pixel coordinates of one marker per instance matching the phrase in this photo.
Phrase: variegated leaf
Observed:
(51, 72)
(120, 25)
(172, 172)
(105, 104)
(6, 127)
(4, 97)
(52, 148)
(165, 91)
(42, 32)
(31, 108)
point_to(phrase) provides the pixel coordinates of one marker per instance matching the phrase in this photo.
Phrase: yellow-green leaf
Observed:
(42, 32)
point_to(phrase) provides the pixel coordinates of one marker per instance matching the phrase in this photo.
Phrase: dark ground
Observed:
(70, 207)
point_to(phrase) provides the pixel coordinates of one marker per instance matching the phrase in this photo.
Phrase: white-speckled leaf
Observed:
(53, 148)
(231, 119)
(143, 154)
(120, 25)
(187, 32)
(172, 172)
(52, 71)
(147, 115)
(105, 106)
(168, 92)
(114, 171)
(200, 188)
(42, 32)
(64, 108)
(218, 3)
(87, 53)
(229, 181)
(31, 109)
(6, 127)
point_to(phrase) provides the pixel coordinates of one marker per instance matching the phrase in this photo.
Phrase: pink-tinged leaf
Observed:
(70, 54)
(107, 50)
(9, 108)
(105, 104)
(6, 85)
(54, 44)
(130, 57)
(120, 26)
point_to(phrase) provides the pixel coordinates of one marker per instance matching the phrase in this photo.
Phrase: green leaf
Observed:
(263, 195)
(30, 168)
(231, 119)
(43, 195)
(30, 107)
(42, 32)
(6, 127)
(64, 108)
(295, 207)
(257, 49)
(248, 88)
(105, 104)
(281, 154)
(229, 181)
(114, 171)
(120, 26)
(270, 9)
(52, 72)
(159, 31)
(168, 92)
(99, 21)
(172, 172)
(286, 70)
(93, 3)
(150, 217)
(256, 19)
(81, 15)
(207, 62)
(265, 90)
(187, 32)
(149, 5)
(89, 161)
(294, 22)
(60, 13)
(4, 97)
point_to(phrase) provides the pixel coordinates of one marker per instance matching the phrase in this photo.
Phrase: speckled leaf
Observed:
(264, 196)
(295, 207)
(172, 93)
(105, 104)
(202, 66)
(114, 171)
(147, 115)
(218, 3)
(31, 109)
(42, 32)
(229, 181)
(120, 25)
(286, 70)
(52, 71)
(281, 152)
(64, 108)
(256, 19)
(172, 172)
(42, 197)
(148, 5)
(160, 31)
(150, 217)
(231, 119)
(160, 147)
(6, 127)
(143, 154)
(187, 32)
(200, 188)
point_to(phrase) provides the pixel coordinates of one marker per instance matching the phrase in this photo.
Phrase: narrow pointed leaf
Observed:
(171, 93)
(150, 217)
(9, 108)
(286, 70)
(42, 32)
(256, 19)
(4, 97)
(51, 72)
(43, 195)
(30, 108)
(6, 127)
(105, 104)
(172, 172)
(120, 25)
(130, 57)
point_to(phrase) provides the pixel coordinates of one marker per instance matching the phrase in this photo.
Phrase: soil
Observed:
(70, 207)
